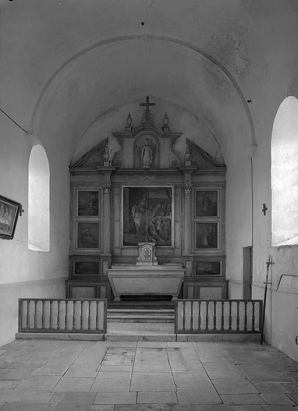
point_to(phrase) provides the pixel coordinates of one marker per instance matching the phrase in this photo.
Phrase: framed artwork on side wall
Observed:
(9, 213)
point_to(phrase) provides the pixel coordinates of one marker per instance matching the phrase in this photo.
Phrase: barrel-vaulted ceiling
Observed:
(65, 64)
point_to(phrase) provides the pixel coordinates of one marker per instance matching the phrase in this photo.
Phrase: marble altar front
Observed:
(146, 277)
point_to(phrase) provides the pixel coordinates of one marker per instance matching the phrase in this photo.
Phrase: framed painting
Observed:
(86, 268)
(9, 213)
(147, 215)
(88, 203)
(88, 235)
(208, 268)
(206, 235)
(206, 203)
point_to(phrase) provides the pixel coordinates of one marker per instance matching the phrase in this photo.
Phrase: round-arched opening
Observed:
(39, 200)
(284, 174)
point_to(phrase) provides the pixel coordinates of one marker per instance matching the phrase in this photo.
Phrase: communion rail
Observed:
(217, 316)
(62, 315)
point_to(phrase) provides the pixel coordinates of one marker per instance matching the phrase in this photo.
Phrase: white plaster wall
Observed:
(22, 271)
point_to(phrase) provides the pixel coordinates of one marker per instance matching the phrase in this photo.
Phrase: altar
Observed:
(146, 277)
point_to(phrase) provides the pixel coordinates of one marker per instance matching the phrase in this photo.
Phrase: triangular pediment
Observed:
(93, 158)
(200, 158)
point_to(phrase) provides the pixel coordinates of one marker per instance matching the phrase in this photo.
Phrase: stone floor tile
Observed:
(242, 399)
(73, 384)
(247, 408)
(264, 387)
(108, 385)
(25, 396)
(152, 382)
(202, 395)
(115, 368)
(9, 384)
(157, 397)
(293, 397)
(277, 398)
(81, 370)
(57, 397)
(101, 408)
(278, 408)
(188, 380)
(114, 375)
(8, 364)
(143, 407)
(14, 374)
(176, 360)
(226, 399)
(40, 382)
(196, 407)
(71, 407)
(20, 406)
(151, 368)
(260, 373)
(155, 344)
(224, 373)
(291, 387)
(232, 386)
(78, 398)
(116, 398)
(58, 368)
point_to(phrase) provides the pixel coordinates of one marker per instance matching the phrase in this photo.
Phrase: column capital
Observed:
(187, 188)
(107, 188)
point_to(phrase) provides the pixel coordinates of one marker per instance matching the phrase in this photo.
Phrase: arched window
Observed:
(39, 200)
(284, 174)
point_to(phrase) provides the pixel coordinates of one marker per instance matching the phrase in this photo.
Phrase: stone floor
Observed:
(139, 375)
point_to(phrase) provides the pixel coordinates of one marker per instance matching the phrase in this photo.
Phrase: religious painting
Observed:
(147, 215)
(88, 235)
(206, 204)
(82, 268)
(206, 235)
(9, 213)
(88, 203)
(208, 268)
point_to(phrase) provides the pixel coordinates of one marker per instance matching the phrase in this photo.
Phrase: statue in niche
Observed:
(147, 155)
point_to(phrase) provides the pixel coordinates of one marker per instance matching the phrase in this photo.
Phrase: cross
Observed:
(147, 104)
(264, 209)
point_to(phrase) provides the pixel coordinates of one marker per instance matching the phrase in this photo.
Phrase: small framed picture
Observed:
(88, 235)
(206, 235)
(88, 203)
(206, 203)
(9, 213)
(208, 268)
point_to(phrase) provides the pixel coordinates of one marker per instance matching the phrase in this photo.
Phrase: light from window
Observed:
(39, 200)
(284, 174)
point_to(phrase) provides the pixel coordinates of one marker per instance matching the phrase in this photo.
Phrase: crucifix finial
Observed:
(147, 104)
(147, 116)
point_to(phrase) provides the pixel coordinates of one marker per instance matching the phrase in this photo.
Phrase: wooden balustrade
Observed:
(217, 316)
(62, 315)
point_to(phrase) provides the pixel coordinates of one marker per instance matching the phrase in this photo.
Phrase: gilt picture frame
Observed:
(9, 213)
(147, 215)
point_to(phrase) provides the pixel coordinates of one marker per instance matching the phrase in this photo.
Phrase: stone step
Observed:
(141, 315)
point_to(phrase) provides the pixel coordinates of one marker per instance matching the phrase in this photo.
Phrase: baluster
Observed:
(58, 315)
(81, 315)
(28, 315)
(66, 306)
(42, 314)
(199, 316)
(253, 316)
(96, 317)
(222, 315)
(207, 315)
(214, 315)
(89, 315)
(51, 315)
(73, 314)
(245, 315)
(238, 320)
(191, 315)
(35, 316)
(183, 316)
(230, 315)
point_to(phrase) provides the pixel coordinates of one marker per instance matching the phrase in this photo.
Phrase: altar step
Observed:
(137, 315)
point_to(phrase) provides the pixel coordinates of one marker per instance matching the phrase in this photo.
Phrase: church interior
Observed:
(167, 122)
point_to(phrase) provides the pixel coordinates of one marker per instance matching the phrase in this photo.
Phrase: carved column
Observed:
(187, 249)
(107, 171)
